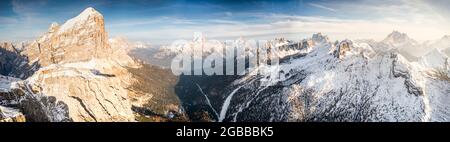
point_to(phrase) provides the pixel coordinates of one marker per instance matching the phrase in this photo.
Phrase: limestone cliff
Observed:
(79, 68)
(79, 39)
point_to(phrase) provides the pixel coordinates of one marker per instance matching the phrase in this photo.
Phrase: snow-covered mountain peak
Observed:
(434, 59)
(442, 44)
(88, 16)
(333, 89)
(78, 39)
(343, 47)
(90, 11)
(319, 38)
(198, 37)
(397, 37)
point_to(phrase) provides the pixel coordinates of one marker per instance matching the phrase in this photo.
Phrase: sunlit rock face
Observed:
(343, 47)
(79, 69)
(79, 39)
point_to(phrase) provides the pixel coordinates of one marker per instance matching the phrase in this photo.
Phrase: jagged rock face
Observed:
(10, 47)
(93, 91)
(72, 41)
(11, 115)
(42, 108)
(319, 38)
(12, 63)
(9, 100)
(8, 95)
(307, 43)
(199, 44)
(401, 69)
(18, 102)
(363, 86)
(343, 47)
(288, 45)
(80, 78)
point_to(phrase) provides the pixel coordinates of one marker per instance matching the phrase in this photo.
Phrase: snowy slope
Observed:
(78, 20)
(363, 85)
(434, 59)
(7, 83)
(406, 46)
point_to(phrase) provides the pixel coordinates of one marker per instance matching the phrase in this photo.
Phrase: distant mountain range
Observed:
(320, 80)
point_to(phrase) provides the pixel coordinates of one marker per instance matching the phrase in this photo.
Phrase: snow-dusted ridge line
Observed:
(389, 86)
(82, 17)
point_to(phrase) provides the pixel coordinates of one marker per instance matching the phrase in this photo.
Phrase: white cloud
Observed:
(422, 20)
(149, 21)
(322, 7)
(27, 8)
(296, 27)
(353, 20)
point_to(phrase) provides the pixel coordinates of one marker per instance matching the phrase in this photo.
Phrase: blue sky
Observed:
(162, 21)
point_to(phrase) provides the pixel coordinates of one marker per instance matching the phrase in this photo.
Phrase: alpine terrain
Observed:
(75, 72)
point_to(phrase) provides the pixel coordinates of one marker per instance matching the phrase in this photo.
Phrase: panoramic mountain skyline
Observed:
(166, 21)
(77, 72)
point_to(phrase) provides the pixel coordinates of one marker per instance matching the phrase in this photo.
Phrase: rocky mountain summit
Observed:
(73, 72)
(71, 41)
(398, 38)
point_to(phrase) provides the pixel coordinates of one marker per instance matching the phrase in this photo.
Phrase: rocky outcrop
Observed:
(11, 115)
(9, 95)
(80, 77)
(319, 38)
(92, 93)
(342, 48)
(9, 100)
(20, 101)
(400, 69)
(79, 39)
(38, 107)
(12, 63)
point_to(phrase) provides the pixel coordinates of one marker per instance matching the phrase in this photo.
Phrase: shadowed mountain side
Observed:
(194, 100)
(153, 96)
(15, 65)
